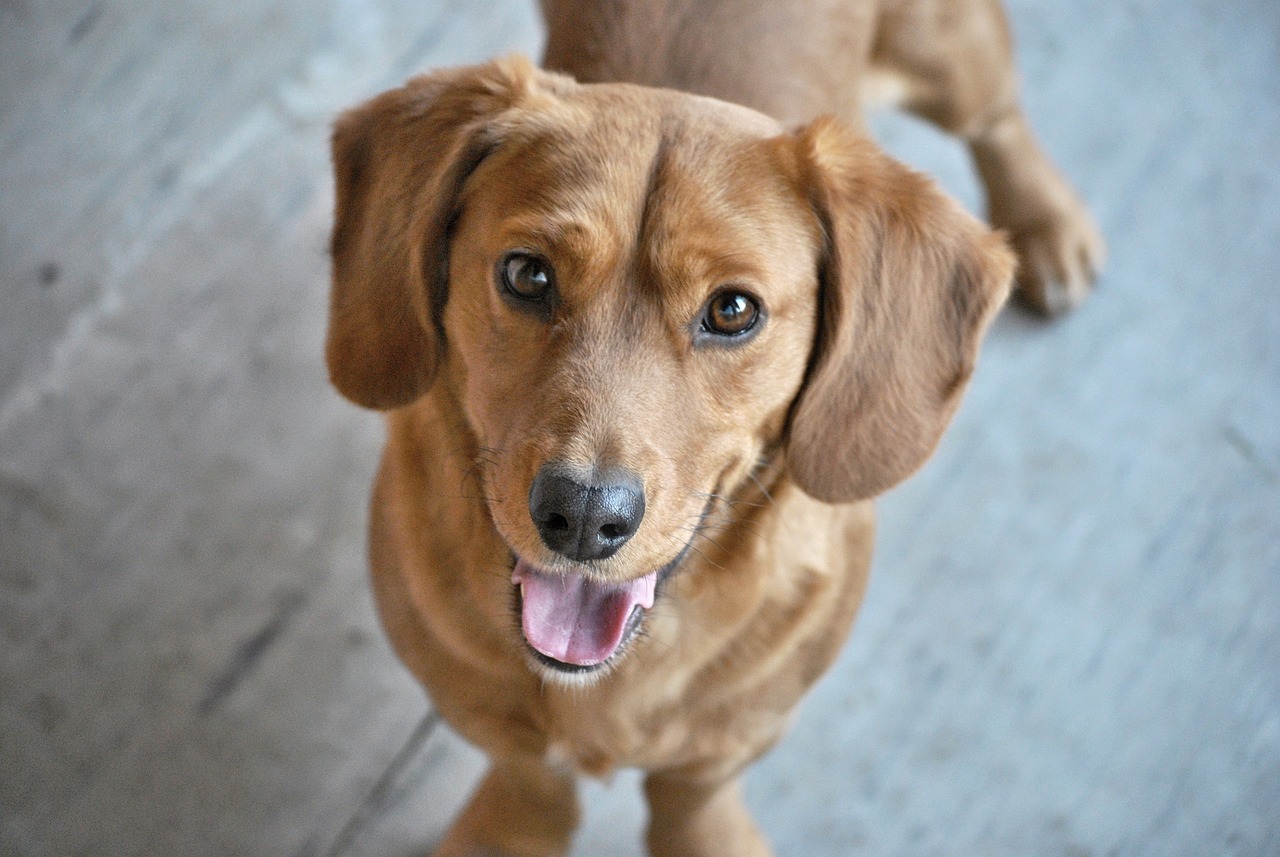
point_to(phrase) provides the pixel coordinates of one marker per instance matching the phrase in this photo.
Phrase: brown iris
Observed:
(526, 276)
(731, 314)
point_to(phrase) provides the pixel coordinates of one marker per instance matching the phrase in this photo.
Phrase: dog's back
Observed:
(791, 60)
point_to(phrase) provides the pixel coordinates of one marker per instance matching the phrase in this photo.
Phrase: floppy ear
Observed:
(908, 285)
(399, 163)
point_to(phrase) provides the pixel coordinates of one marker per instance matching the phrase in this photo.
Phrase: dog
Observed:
(651, 326)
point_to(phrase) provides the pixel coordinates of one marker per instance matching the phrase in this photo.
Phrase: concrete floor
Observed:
(1071, 644)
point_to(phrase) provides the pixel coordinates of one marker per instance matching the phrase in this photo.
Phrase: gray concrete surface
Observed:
(1071, 645)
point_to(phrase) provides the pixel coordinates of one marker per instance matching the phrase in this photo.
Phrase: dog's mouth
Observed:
(576, 623)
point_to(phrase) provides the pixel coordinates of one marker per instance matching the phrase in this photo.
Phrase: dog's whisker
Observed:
(730, 501)
(726, 526)
(701, 555)
(763, 489)
(699, 533)
(476, 476)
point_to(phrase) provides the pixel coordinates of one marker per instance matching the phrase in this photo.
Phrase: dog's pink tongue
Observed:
(575, 619)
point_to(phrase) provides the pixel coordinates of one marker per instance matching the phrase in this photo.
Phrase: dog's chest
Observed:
(651, 728)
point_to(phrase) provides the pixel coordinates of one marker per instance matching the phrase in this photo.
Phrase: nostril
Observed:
(617, 511)
(556, 522)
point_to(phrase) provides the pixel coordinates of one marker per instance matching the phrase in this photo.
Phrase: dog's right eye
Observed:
(526, 276)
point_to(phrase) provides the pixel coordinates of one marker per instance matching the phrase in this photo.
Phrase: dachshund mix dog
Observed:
(651, 328)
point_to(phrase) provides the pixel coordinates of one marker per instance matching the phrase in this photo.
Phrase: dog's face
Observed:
(633, 296)
(628, 324)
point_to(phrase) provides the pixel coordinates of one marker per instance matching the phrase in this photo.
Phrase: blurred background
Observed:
(1071, 644)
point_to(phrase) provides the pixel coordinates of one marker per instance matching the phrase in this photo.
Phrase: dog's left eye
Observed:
(526, 276)
(730, 314)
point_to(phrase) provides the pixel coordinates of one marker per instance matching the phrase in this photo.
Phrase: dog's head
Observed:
(633, 296)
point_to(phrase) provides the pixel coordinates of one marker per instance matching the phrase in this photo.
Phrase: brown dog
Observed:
(647, 356)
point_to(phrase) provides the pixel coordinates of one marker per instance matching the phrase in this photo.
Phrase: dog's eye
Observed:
(526, 276)
(730, 314)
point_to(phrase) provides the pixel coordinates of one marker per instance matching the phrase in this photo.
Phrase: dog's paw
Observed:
(1060, 250)
(1059, 258)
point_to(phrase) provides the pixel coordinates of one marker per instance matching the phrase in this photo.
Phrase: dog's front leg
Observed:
(522, 808)
(690, 816)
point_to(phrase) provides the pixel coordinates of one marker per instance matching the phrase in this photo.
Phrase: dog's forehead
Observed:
(625, 168)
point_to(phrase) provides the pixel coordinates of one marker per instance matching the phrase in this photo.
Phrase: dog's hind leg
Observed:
(522, 808)
(955, 58)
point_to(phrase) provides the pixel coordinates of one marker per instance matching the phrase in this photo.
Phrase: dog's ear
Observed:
(399, 162)
(909, 282)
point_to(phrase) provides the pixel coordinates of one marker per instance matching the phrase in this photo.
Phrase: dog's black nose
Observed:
(586, 519)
